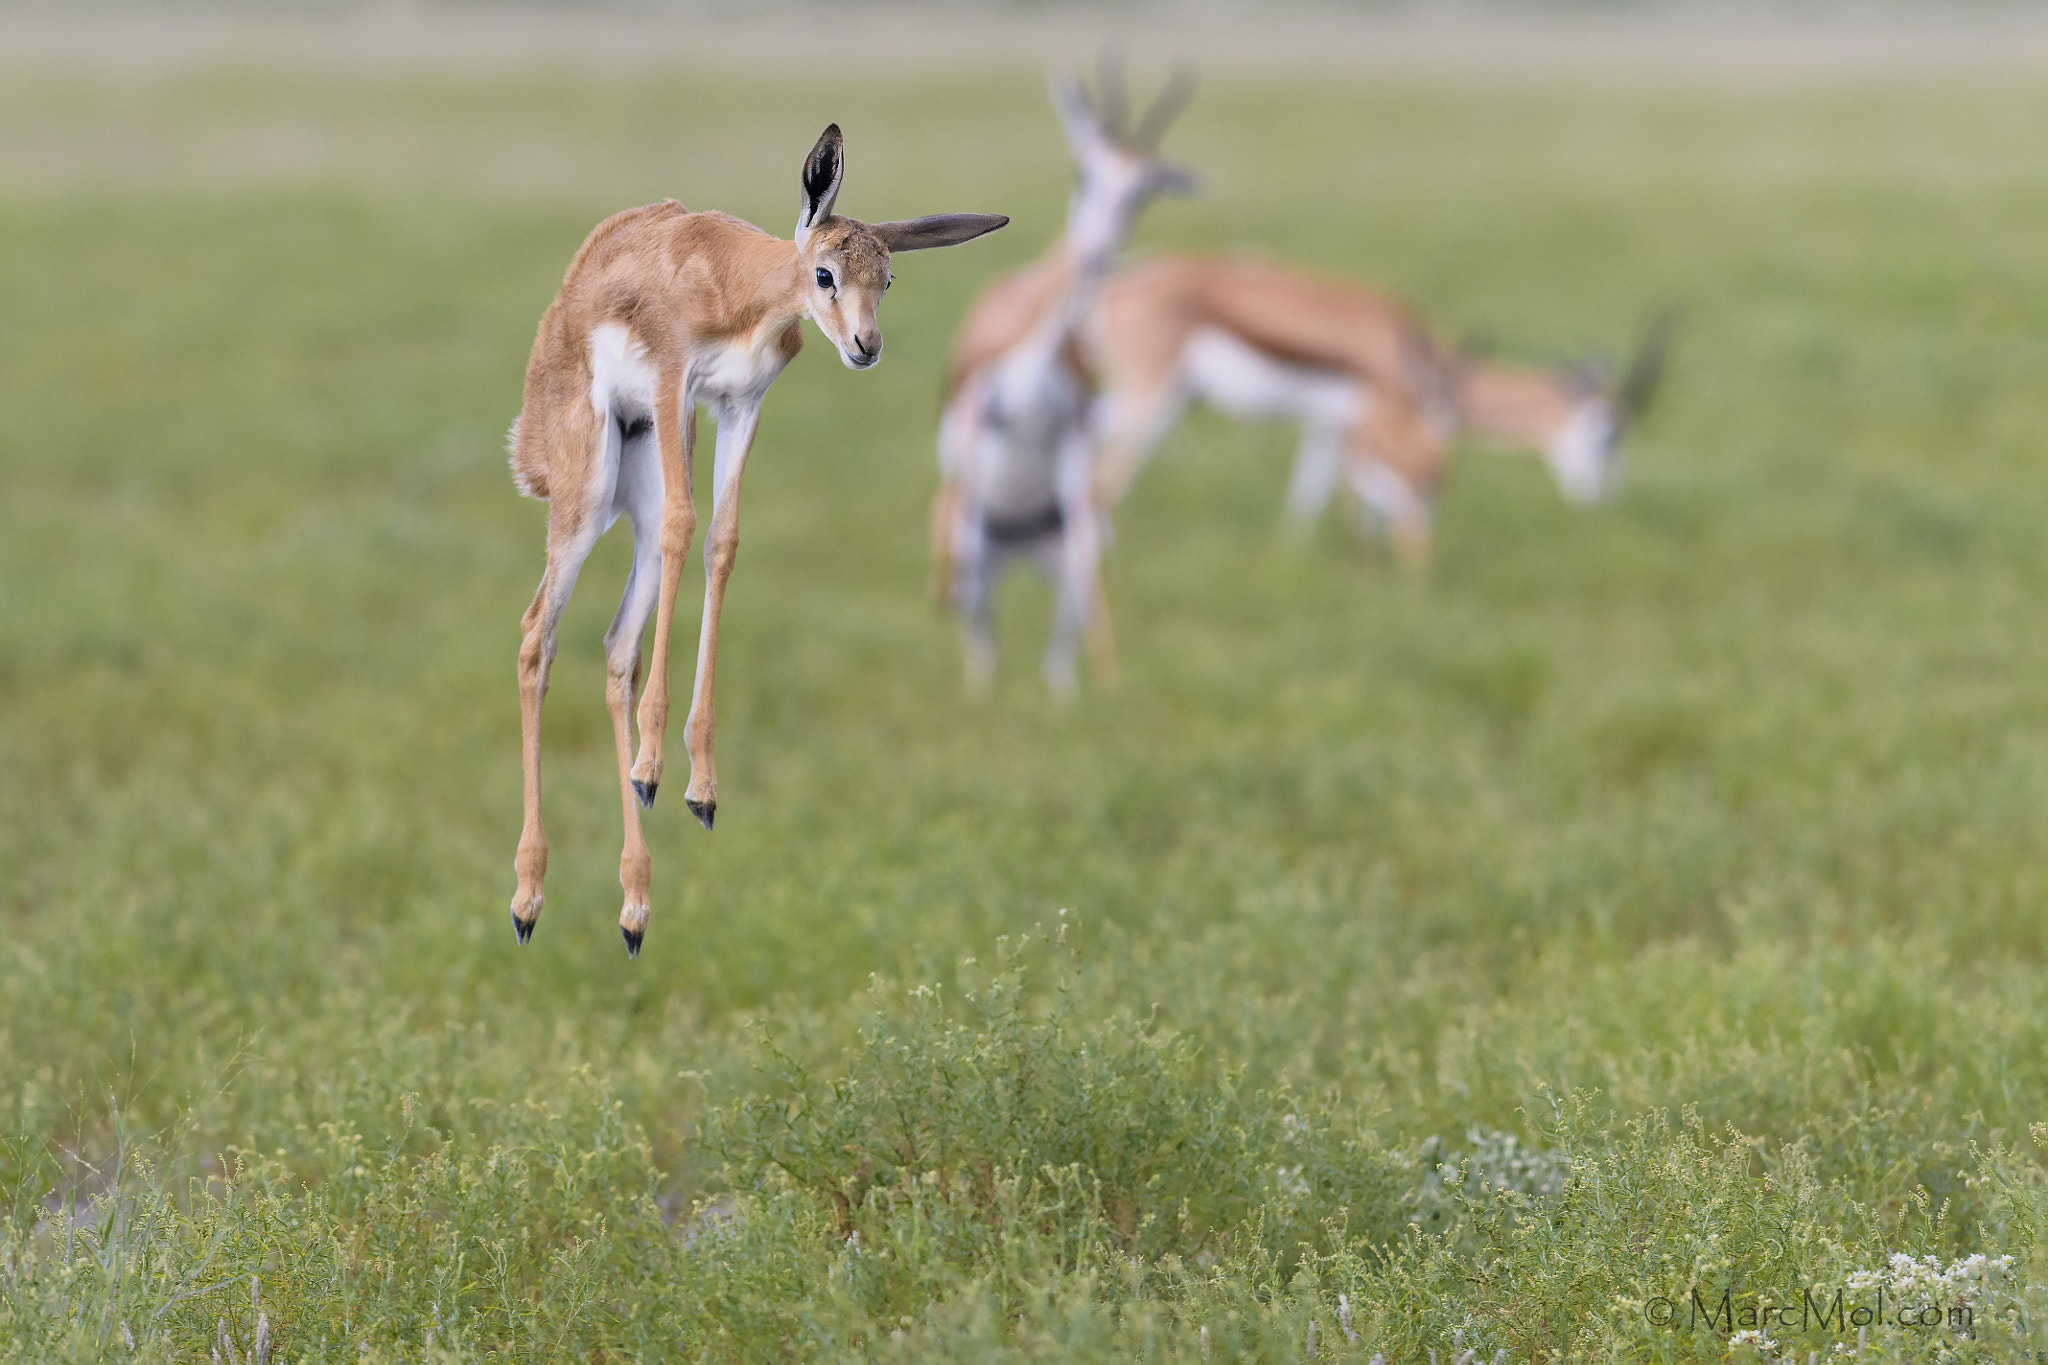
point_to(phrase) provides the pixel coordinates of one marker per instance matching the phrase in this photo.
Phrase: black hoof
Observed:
(632, 940)
(705, 811)
(645, 791)
(523, 931)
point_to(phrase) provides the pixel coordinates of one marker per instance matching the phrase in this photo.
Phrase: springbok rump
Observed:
(1015, 437)
(663, 309)
(1379, 398)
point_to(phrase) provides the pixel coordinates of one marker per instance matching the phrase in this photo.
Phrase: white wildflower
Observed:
(1756, 1341)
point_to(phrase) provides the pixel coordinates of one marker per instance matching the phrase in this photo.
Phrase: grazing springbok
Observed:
(1015, 438)
(1379, 398)
(1259, 339)
(1573, 416)
(663, 309)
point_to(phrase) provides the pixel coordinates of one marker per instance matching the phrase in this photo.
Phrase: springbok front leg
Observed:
(737, 420)
(959, 434)
(977, 568)
(640, 498)
(964, 554)
(675, 434)
(1076, 570)
(972, 566)
(574, 524)
(1394, 462)
(1390, 506)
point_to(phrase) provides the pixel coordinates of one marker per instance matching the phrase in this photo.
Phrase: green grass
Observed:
(1649, 900)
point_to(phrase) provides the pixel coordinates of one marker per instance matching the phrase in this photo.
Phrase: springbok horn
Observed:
(1646, 366)
(1109, 92)
(1180, 88)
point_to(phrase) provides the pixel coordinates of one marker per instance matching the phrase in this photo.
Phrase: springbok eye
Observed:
(824, 278)
(886, 283)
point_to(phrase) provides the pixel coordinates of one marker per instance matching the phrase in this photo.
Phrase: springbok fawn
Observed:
(1378, 396)
(1015, 443)
(663, 309)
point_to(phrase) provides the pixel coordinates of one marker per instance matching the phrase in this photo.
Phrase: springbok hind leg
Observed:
(1072, 561)
(568, 546)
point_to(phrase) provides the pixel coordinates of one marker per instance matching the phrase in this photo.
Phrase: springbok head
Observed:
(1117, 166)
(843, 263)
(1584, 453)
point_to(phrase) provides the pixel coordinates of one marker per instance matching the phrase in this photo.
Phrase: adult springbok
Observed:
(1574, 416)
(663, 309)
(1379, 398)
(1015, 437)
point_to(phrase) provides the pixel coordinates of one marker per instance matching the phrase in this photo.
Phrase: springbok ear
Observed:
(823, 169)
(1077, 120)
(940, 229)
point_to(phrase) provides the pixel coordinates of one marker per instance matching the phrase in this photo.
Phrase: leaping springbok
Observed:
(663, 309)
(1015, 435)
(1379, 398)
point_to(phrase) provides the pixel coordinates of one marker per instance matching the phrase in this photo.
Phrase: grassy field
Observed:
(1650, 901)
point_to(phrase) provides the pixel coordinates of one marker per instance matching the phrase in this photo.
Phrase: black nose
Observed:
(867, 353)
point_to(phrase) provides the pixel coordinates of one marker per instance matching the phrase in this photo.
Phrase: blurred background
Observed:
(1720, 801)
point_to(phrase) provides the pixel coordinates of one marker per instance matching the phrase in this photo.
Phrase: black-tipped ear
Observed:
(940, 229)
(823, 169)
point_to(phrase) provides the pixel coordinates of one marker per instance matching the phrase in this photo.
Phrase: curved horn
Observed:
(1077, 116)
(1110, 107)
(1646, 366)
(1179, 89)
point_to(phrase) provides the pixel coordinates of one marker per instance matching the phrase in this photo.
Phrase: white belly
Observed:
(1017, 482)
(739, 370)
(1244, 381)
(1031, 418)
